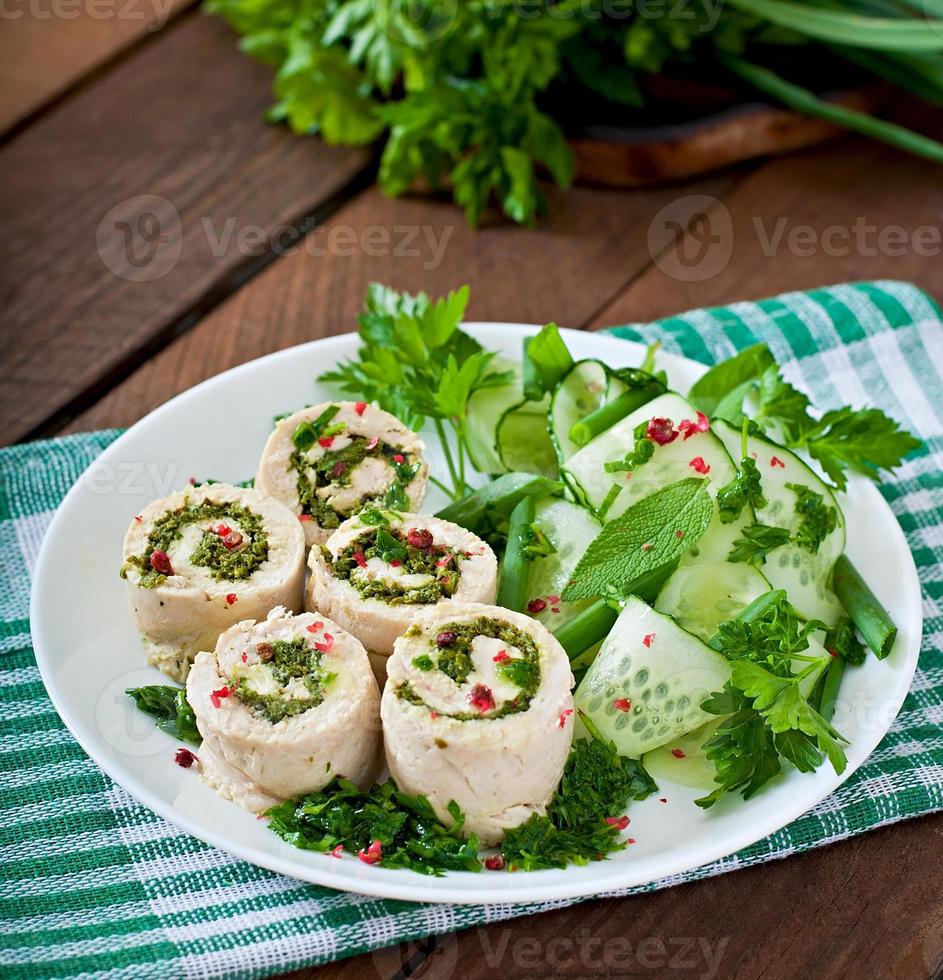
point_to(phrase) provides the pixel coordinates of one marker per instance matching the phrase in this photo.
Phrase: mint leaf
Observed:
(653, 532)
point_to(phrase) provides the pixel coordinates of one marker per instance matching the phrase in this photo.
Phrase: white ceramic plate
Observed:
(89, 652)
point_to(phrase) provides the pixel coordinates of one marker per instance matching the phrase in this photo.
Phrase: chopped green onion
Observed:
(862, 606)
(803, 100)
(501, 495)
(512, 590)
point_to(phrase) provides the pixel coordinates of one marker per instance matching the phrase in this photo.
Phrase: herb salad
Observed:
(686, 549)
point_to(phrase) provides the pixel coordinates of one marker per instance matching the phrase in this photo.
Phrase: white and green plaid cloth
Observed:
(91, 883)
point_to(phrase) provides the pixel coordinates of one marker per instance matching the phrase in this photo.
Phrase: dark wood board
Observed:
(810, 219)
(47, 47)
(584, 253)
(160, 134)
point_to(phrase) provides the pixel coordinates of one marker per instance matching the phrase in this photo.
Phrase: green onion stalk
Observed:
(869, 616)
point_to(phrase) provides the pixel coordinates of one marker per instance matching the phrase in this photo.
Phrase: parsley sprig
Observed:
(860, 440)
(416, 363)
(767, 701)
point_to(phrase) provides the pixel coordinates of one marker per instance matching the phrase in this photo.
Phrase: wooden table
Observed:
(266, 240)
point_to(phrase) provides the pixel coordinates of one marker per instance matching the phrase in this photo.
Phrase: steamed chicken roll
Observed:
(202, 559)
(328, 461)
(284, 706)
(478, 709)
(381, 569)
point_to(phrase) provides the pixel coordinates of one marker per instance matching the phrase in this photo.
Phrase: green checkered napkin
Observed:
(92, 883)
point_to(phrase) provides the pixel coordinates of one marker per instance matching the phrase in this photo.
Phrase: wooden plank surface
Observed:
(565, 269)
(46, 46)
(133, 203)
(868, 907)
(847, 211)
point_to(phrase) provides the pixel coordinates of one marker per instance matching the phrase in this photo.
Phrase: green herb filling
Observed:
(224, 564)
(290, 660)
(335, 468)
(455, 661)
(391, 545)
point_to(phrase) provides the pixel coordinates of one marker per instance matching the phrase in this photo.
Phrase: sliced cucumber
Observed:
(684, 761)
(522, 440)
(581, 391)
(804, 576)
(700, 597)
(670, 463)
(485, 408)
(644, 696)
(570, 529)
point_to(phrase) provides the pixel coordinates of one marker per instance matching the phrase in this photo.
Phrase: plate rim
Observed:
(531, 887)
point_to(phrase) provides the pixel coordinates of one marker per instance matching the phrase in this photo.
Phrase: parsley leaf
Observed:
(756, 542)
(781, 703)
(653, 532)
(817, 520)
(745, 488)
(770, 713)
(546, 361)
(170, 707)
(865, 441)
(782, 407)
(416, 363)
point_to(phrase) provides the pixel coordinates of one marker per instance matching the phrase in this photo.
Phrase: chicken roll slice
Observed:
(381, 569)
(478, 709)
(284, 706)
(329, 461)
(201, 560)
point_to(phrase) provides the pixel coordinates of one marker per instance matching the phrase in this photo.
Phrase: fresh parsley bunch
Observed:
(472, 94)
(767, 706)
(416, 363)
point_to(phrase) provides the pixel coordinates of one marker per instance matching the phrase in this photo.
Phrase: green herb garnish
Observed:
(756, 542)
(597, 784)
(170, 707)
(771, 716)
(653, 532)
(410, 834)
(416, 363)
